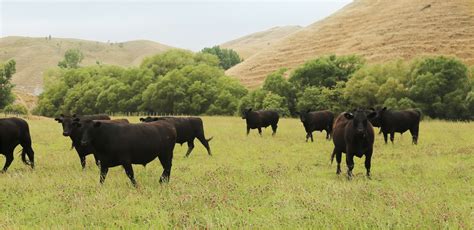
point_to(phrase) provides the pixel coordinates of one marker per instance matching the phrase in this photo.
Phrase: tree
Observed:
(72, 58)
(440, 86)
(7, 70)
(227, 57)
(277, 84)
(325, 71)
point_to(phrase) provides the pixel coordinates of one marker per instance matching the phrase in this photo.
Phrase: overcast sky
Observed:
(185, 24)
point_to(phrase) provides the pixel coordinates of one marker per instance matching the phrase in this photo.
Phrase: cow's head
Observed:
(359, 120)
(66, 122)
(88, 127)
(149, 119)
(377, 120)
(303, 115)
(245, 113)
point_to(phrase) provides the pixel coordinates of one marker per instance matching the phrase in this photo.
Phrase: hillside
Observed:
(35, 55)
(377, 29)
(249, 45)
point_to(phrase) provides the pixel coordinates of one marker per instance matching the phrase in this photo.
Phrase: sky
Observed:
(191, 24)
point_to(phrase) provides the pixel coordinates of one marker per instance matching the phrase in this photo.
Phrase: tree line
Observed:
(183, 82)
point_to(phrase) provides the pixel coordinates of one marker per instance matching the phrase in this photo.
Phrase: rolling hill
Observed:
(249, 45)
(379, 30)
(35, 55)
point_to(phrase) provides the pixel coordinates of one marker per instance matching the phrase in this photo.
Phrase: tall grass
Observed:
(250, 182)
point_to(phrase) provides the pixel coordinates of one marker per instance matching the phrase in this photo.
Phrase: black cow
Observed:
(261, 118)
(187, 129)
(391, 122)
(354, 135)
(126, 144)
(76, 134)
(14, 131)
(317, 121)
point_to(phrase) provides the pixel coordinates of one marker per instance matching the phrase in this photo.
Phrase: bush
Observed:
(16, 109)
(227, 57)
(7, 70)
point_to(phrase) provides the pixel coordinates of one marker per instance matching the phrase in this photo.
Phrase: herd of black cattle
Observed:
(117, 142)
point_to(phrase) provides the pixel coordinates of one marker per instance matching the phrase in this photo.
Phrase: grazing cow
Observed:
(187, 129)
(354, 135)
(76, 134)
(259, 119)
(126, 144)
(391, 122)
(14, 131)
(317, 121)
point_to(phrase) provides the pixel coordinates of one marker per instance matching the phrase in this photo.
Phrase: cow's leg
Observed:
(392, 136)
(31, 156)
(248, 130)
(368, 158)
(260, 131)
(350, 164)
(190, 147)
(8, 160)
(414, 134)
(274, 129)
(129, 171)
(338, 160)
(311, 135)
(385, 137)
(82, 158)
(103, 172)
(327, 134)
(166, 162)
(205, 142)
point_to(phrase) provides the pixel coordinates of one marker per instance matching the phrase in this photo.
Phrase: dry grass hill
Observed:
(249, 45)
(377, 29)
(35, 55)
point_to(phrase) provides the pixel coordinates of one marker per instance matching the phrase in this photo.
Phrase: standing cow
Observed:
(187, 129)
(126, 144)
(76, 134)
(354, 135)
(317, 121)
(261, 118)
(398, 121)
(13, 132)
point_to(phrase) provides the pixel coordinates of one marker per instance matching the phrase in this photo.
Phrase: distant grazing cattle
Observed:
(392, 122)
(187, 129)
(317, 121)
(126, 144)
(76, 134)
(261, 119)
(354, 135)
(13, 132)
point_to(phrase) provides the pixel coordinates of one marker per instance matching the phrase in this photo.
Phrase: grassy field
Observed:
(250, 182)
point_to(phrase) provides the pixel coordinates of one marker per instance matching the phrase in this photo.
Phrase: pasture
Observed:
(249, 182)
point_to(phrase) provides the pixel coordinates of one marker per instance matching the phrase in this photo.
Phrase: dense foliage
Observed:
(15, 109)
(177, 82)
(227, 57)
(7, 70)
(182, 82)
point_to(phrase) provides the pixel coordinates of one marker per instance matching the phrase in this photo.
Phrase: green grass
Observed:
(250, 182)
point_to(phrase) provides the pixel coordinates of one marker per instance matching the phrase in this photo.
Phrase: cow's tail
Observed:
(420, 115)
(23, 157)
(209, 139)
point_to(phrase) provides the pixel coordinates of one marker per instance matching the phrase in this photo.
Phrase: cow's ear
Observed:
(384, 108)
(372, 115)
(58, 119)
(349, 116)
(97, 124)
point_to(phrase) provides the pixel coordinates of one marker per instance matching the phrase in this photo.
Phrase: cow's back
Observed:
(268, 117)
(338, 132)
(400, 121)
(319, 120)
